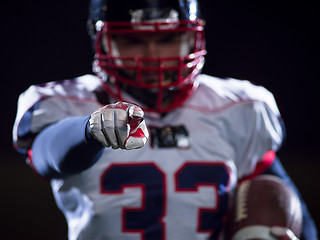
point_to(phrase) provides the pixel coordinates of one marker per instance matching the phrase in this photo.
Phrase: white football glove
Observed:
(283, 233)
(119, 125)
(265, 233)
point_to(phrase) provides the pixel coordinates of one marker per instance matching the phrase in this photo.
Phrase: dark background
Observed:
(272, 43)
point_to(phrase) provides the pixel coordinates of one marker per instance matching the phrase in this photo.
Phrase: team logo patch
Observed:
(169, 137)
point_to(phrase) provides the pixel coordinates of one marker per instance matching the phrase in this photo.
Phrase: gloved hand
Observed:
(282, 233)
(119, 125)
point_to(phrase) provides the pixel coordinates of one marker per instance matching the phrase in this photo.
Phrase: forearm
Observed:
(64, 148)
(309, 231)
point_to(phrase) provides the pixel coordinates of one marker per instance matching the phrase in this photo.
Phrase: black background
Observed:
(271, 43)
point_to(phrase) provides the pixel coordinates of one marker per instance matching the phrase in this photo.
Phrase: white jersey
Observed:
(176, 187)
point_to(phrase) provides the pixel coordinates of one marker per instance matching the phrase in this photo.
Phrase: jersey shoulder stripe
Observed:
(217, 93)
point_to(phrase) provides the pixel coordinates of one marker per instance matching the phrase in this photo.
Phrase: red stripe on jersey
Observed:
(264, 164)
(30, 162)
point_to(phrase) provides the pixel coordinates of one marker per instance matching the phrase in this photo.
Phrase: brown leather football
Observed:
(262, 203)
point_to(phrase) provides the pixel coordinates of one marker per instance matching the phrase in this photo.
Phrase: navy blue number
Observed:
(151, 180)
(191, 176)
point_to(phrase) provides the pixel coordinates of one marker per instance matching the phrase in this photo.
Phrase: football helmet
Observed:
(156, 83)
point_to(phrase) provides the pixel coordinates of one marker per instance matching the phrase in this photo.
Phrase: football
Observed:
(262, 203)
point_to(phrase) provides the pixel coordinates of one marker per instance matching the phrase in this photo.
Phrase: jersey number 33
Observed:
(148, 219)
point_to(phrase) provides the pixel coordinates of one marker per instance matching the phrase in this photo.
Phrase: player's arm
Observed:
(64, 148)
(73, 144)
(309, 231)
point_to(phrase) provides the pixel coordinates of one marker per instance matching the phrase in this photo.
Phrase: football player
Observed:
(89, 135)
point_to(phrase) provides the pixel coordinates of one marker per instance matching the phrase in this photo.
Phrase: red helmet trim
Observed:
(106, 62)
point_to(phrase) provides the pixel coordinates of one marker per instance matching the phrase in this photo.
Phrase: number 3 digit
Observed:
(193, 175)
(151, 180)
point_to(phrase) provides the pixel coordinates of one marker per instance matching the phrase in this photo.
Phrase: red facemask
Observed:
(160, 84)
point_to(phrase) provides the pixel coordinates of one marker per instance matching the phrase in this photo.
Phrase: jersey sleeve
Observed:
(41, 106)
(249, 119)
(262, 132)
(35, 112)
